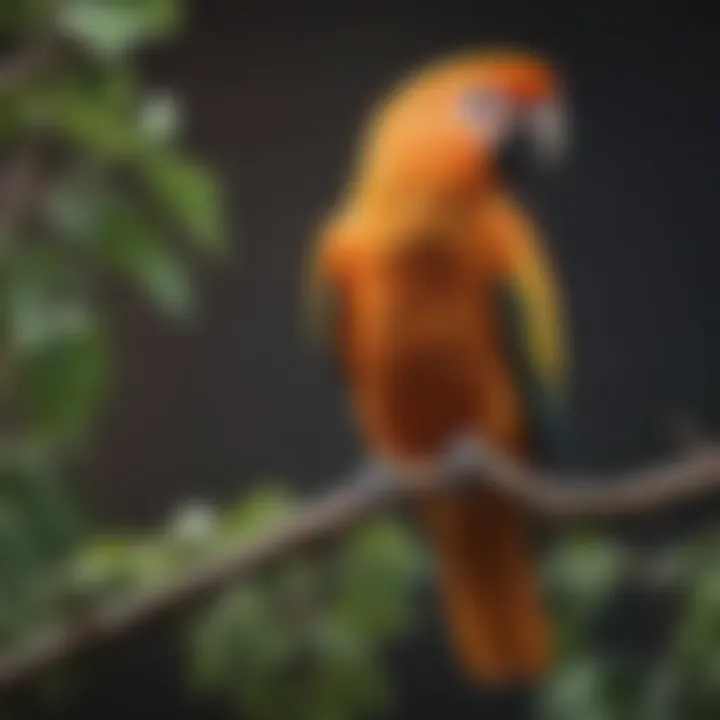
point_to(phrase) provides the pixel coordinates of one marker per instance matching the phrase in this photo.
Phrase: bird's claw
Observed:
(464, 456)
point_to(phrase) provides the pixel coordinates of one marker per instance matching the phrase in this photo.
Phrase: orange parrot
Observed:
(433, 292)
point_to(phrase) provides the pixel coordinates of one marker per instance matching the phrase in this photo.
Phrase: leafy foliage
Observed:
(85, 193)
(39, 526)
(315, 626)
(110, 192)
(112, 28)
(603, 674)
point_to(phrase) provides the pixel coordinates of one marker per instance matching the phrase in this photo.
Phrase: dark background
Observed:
(275, 97)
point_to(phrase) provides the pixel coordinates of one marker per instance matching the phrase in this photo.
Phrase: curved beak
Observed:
(549, 127)
(538, 140)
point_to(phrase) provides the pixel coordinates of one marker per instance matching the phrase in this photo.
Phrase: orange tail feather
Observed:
(495, 615)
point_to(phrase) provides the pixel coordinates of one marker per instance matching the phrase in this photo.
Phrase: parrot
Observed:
(433, 293)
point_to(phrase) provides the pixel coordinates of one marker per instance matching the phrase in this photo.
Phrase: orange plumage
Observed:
(411, 260)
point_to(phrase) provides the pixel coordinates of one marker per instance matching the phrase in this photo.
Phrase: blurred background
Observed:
(172, 160)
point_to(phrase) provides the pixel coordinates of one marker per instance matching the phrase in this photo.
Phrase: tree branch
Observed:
(359, 498)
(616, 496)
(375, 487)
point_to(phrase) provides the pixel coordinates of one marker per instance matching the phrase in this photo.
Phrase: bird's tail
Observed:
(495, 615)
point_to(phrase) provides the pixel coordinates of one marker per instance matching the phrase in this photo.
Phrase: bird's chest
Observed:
(418, 313)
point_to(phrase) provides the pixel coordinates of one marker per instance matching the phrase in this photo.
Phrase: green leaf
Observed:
(582, 573)
(38, 528)
(72, 211)
(108, 565)
(11, 103)
(580, 689)
(159, 119)
(379, 567)
(51, 516)
(258, 510)
(112, 28)
(102, 114)
(660, 693)
(248, 646)
(700, 628)
(133, 248)
(104, 564)
(190, 195)
(93, 111)
(587, 567)
(22, 16)
(42, 295)
(288, 628)
(99, 109)
(17, 557)
(350, 673)
(65, 383)
(238, 641)
(58, 343)
(128, 242)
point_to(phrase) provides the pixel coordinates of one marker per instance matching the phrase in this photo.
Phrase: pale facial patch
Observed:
(494, 118)
(490, 115)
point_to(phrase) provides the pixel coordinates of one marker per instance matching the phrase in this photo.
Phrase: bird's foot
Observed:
(464, 458)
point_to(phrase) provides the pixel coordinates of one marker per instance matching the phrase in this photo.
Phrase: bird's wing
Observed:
(322, 304)
(533, 328)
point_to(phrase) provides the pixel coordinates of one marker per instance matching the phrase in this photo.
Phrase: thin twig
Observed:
(374, 488)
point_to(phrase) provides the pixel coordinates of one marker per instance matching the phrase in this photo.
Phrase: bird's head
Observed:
(465, 123)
